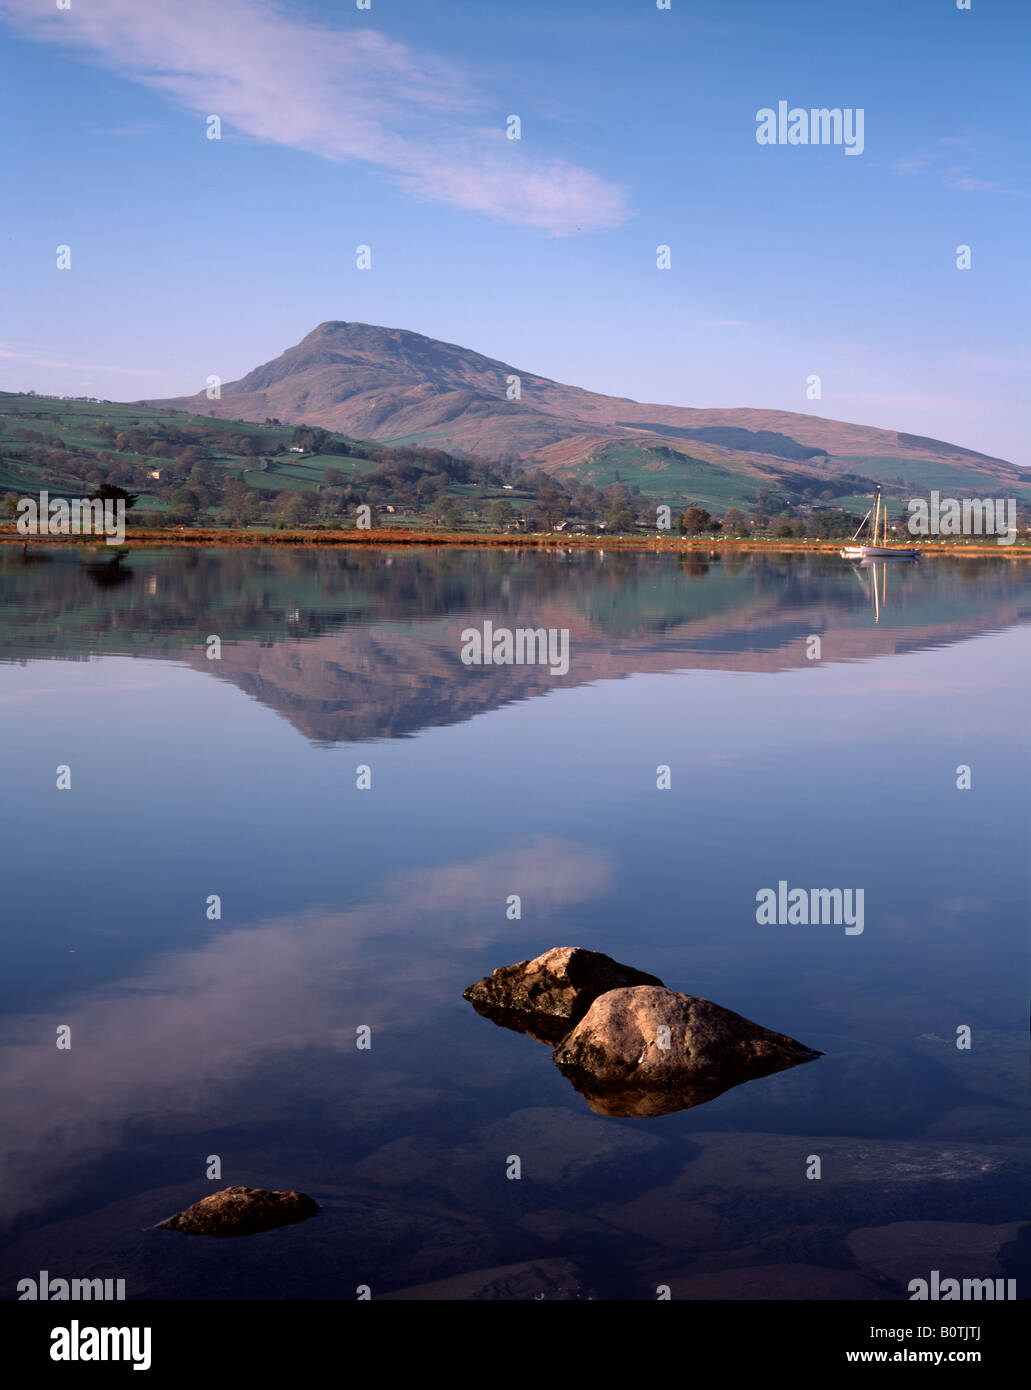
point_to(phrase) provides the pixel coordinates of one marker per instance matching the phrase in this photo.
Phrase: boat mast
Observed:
(863, 523)
(877, 518)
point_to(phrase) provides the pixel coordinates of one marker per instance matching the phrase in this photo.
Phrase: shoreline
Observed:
(396, 537)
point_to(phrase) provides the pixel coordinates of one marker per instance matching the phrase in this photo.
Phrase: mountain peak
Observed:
(396, 385)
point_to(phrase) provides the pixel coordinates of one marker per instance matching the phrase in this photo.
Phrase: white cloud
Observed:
(341, 93)
(216, 1010)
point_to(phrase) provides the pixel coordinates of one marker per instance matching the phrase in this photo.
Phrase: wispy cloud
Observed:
(217, 1010)
(962, 177)
(913, 163)
(341, 93)
(34, 360)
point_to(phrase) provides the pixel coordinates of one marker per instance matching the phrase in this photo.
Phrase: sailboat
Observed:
(875, 551)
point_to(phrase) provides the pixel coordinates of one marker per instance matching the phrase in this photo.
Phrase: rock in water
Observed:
(649, 1051)
(241, 1211)
(548, 996)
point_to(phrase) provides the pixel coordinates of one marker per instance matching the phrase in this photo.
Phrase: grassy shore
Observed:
(395, 536)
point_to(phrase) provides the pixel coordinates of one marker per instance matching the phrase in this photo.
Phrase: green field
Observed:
(955, 480)
(237, 473)
(71, 427)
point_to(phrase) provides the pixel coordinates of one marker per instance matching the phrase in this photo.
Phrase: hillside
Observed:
(194, 469)
(397, 387)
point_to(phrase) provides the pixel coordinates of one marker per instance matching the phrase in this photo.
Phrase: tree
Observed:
(551, 506)
(294, 508)
(735, 522)
(239, 504)
(765, 501)
(786, 525)
(501, 514)
(831, 523)
(620, 518)
(204, 474)
(333, 477)
(431, 487)
(110, 492)
(186, 505)
(694, 521)
(10, 503)
(310, 437)
(446, 512)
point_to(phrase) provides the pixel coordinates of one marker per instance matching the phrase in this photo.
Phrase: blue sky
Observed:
(386, 126)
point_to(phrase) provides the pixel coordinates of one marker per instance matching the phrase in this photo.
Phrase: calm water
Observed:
(343, 908)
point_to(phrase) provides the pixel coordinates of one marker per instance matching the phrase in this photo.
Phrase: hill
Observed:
(401, 388)
(189, 468)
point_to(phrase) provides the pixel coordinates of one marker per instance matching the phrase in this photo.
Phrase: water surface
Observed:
(344, 908)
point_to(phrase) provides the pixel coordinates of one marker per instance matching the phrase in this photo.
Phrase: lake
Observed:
(365, 806)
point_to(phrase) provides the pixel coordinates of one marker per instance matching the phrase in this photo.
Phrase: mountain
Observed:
(397, 387)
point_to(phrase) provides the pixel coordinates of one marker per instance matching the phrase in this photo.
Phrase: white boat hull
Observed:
(877, 552)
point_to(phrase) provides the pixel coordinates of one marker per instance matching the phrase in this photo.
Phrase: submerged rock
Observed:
(905, 1249)
(647, 1050)
(241, 1211)
(549, 995)
(552, 1279)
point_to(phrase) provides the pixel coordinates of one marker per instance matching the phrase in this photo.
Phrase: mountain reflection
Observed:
(354, 645)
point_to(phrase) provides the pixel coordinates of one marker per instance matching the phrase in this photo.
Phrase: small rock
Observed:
(648, 1050)
(241, 1211)
(906, 1250)
(548, 996)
